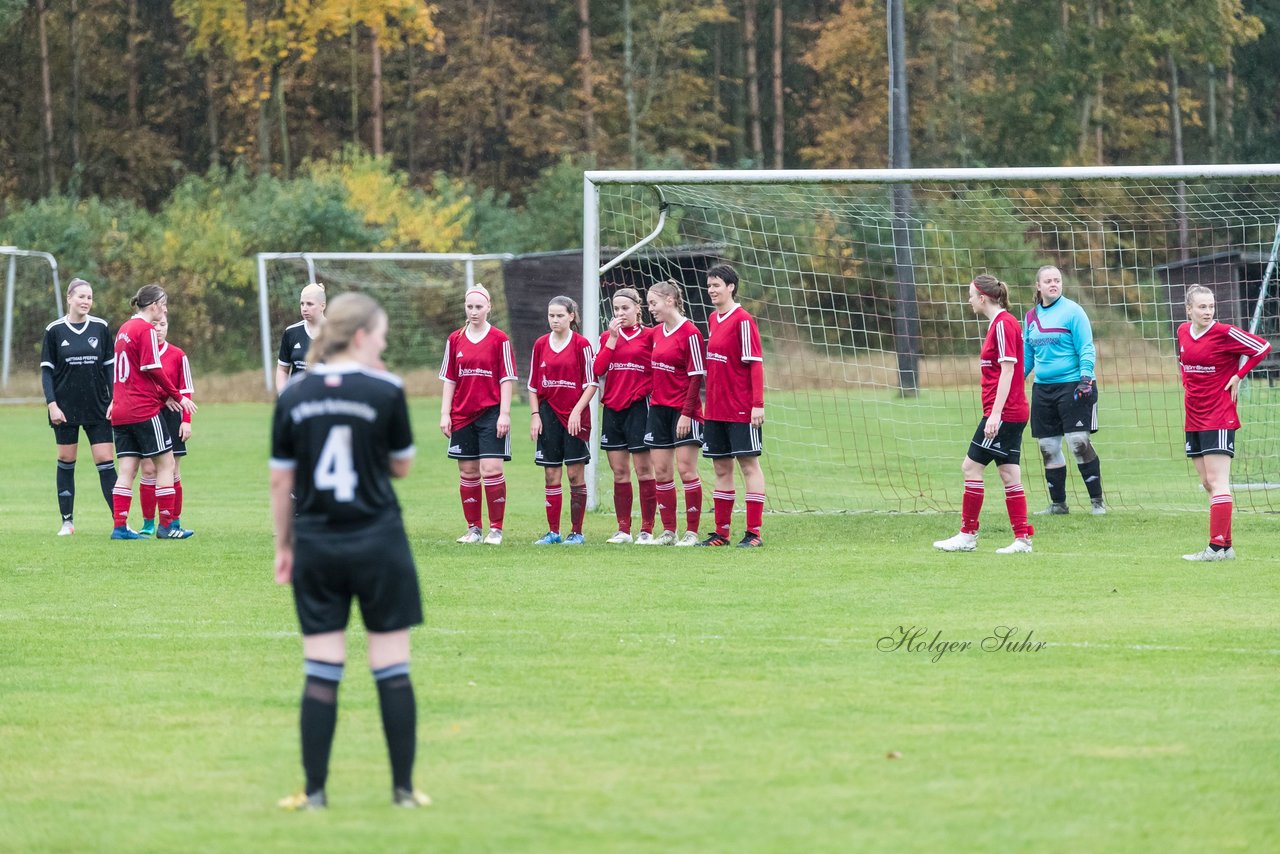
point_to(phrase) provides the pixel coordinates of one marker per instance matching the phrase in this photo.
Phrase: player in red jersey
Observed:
(1005, 412)
(623, 365)
(141, 391)
(561, 385)
(1213, 357)
(176, 367)
(675, 410)
(479, 372)
(735, 407)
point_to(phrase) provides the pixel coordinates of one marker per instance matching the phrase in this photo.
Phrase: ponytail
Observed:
(669, 288)
(349, 313)
(992, 288)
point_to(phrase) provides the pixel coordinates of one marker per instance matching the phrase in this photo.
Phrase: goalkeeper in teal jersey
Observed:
(1058, 347)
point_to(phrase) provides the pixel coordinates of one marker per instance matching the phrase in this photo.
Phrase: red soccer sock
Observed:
(164, 498)
(469, 491)
(121, 499)
(648, 504)
(623, 498)
(147, 497)
(755, 512)
(555, 498)
(1015, 501)
(495, 497)
(724, 510)
(577, 506)
(692, 505)
(665, 495)
(177, 497)
(971, 506)
(1220, 520)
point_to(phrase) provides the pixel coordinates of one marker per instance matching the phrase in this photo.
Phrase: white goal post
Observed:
(858, 280)
(27, 271)
(413, 286)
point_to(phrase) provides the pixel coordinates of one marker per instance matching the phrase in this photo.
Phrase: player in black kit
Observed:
(76, 364)
(340, 434)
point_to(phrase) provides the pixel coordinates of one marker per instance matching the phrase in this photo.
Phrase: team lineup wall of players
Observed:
(668, 395)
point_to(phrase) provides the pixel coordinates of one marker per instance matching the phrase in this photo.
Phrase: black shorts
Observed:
(1201, 442)
(731, 439)
(623, 430)
(479, 439)
(97, 432)
(371, 563)
(1056, 412)
(1004, 450)
(172, 421)
(555, 446)
(148, 438)
(661, 431)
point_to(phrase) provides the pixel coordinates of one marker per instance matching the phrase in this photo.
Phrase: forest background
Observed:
(149, 140)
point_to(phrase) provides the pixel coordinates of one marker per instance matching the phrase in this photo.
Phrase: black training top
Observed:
(76, 367)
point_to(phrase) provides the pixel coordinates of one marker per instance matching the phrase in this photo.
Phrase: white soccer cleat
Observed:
(471, 536)
(620, 538)
(1210, 555)
(1099, 507)
(690, 538)
(644, 538)
(961, 542)
(494, 537)
(1021, 545)
(67, 529)
(666, 538)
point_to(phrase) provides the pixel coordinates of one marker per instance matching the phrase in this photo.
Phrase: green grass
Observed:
(608, 698)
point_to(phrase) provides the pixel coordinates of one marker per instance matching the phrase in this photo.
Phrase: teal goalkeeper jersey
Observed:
(1058, 342)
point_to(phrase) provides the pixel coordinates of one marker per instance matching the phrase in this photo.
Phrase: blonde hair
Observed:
(315, 289)
(349, 313)
(629, 293)
(1195, 290)
(669, 288)
(75, 284)
(478, 288)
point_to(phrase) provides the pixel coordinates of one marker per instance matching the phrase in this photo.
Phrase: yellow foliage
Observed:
(410, 219)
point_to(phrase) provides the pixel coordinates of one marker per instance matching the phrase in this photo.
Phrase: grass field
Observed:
(613, 698)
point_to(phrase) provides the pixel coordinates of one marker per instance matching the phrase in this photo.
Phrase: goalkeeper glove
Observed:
(1085, 388)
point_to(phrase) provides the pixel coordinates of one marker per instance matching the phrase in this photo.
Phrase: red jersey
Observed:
(559, 378)
(477, 370)
(626, 369)
(733, 343)
(176, 367)
(1207, 363)
(1004, 344)
(676, 357)
(141, 387)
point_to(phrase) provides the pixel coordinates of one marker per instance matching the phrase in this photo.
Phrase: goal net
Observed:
(858, 281)
(421, 292)
(32, 299)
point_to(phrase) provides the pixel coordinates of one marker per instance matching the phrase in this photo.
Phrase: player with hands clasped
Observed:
(735, 407)
(76, 370)
(176, 367)
(1058, 347)
(674, 432)
(998, 438)
(1213, 357)
(142, 389)
(296, 340)
(339, 435)
(561, 385)
(479, 372)
(623, 365)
